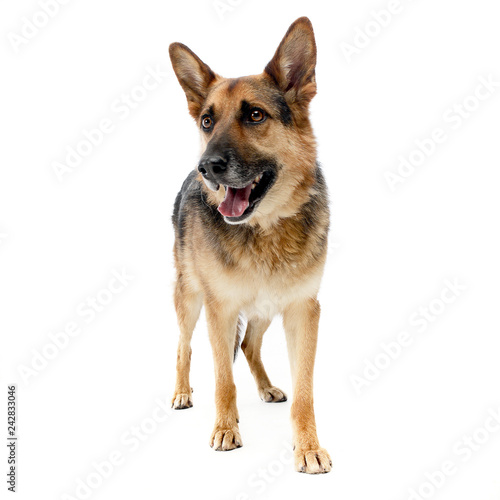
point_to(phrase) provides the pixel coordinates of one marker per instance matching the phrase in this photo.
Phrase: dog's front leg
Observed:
(300, 321)
(222, 332)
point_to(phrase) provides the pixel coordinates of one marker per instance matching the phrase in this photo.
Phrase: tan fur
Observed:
(278, 268)
(285, 198)
(251, 346)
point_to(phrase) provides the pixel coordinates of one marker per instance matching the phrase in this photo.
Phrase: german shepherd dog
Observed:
(251, 227)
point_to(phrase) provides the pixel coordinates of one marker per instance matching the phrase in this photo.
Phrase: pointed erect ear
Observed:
(193, 74)
(293, 64)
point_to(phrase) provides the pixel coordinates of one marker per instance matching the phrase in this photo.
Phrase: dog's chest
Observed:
(272, 272)
(265, 304)
(271, 295)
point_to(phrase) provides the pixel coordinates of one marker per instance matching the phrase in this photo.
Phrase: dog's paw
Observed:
(181, 401)
(225, 438)
(312, 461)
(272, 395)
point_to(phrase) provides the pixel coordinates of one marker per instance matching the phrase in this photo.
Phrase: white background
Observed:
(391, 251)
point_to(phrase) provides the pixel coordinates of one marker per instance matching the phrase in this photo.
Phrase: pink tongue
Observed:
(235, 201)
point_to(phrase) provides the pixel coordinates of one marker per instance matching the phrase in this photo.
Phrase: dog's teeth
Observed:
(258, 178)
(253, 185)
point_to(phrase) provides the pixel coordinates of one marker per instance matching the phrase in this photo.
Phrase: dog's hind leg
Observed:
(251, 346)
(188, 306)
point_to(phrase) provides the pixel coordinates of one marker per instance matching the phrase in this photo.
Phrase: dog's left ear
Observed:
(193, 74)
(292, 67)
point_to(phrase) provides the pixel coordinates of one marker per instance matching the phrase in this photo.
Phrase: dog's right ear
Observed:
(193, 74)
(293, 66)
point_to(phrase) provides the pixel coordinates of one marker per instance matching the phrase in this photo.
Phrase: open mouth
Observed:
(239, 203)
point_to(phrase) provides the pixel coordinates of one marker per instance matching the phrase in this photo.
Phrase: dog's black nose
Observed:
(211, 166)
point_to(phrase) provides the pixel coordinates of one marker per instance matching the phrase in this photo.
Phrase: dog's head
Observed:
(258, 150)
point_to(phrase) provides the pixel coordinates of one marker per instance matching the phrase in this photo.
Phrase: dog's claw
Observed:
(226, 439)
(313, 461)
(272, 395)
(182, 401)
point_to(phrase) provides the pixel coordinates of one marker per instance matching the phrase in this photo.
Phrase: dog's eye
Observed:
(257, 115)
(206, 122)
